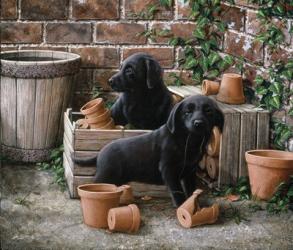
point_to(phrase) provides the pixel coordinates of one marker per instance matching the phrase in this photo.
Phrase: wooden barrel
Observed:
(36, 88)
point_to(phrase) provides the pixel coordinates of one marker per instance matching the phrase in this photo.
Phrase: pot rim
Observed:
(83, 193)
(103, 115)
(252, 158)
(91, 105)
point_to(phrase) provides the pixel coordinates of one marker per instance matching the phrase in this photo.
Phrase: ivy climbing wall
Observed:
(104, 33)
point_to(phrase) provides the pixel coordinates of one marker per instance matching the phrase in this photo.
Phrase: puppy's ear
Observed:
(154, 72)
(171, 123)
(219, 118)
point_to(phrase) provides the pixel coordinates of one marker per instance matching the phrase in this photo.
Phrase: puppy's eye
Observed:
(208, 110)
(187, 112)
(129, 71)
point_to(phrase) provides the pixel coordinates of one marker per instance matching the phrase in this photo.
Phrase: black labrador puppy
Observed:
(145, 101)
(168, 155)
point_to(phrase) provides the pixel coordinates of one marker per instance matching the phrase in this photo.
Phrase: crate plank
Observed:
(263, 129)
(131, 133)
(95, 134)
(142, 189)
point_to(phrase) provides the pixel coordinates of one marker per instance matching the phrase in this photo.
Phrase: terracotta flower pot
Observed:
(231, 89)
(96, 201)
(81, 123)
(127, 195)
(267, 169)
(124, 219)
(99, 118)
(109, 125)
(202, 163)
(212, 165)
(214, 144)
(190, 214)
(91, 108)
(210, 87)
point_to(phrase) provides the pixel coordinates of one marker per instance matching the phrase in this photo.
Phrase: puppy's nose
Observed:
(198, 123)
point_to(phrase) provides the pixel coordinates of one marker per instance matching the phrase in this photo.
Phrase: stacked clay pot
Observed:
(100, 207)
(96, 115)
(189, 214)
(210, 162)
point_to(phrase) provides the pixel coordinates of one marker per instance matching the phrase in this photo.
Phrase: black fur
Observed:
(168, 155)
(145, 101)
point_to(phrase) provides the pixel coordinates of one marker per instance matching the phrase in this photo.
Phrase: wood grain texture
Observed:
(263, 129)
(26, 95)
(8, 110)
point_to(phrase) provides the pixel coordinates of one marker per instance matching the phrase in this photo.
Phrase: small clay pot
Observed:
(124, 219)
(81, 123)
(91, 108)
(96, 201)
(267, 169)
(99, 118)
(212, 165)
(190, 214)
(202, 163)
(214, 144)
(109, 125)
(127, 195)
(231, 89)
(210, 87)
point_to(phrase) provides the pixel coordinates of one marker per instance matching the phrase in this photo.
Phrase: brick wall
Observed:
(105, 32)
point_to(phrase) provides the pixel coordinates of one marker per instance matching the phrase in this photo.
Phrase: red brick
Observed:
(240, 45)
(84, 81)
(246, 4)
(183, 30)
(135, 7)
(93, 9)
(21, 32)
(44, 9)
(165, 56)
(69, 33)
(101, 77)
(280, 54)
(183, 9)
(8, 48)
(98, 57)
(120, 33)
(233, 16)
(8, 9)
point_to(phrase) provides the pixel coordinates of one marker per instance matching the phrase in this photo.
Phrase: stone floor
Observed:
(48, 219)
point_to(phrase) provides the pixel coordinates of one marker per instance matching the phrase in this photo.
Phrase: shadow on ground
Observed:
(35, 214)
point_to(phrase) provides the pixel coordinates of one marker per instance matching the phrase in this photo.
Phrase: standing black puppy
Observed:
(168, 155)
(145, 101)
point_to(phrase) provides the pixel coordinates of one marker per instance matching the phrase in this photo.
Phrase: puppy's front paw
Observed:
(178, 198)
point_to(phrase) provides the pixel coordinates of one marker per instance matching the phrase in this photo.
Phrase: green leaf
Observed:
(276, 88)
(275, 102)
(213, 73)
(206, 47)
(198, 33)
(260, 90)
(228, 59)
(190, 62)
(213, 58)
(204, 63)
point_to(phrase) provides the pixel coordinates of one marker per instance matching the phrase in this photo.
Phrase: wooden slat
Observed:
(90, 145)
(68, 128)
(130, 133)
(43, 100)
(57, 94)
(263, 129)
(94, 134)
(8, 110)
(141, 189)
(26, 94)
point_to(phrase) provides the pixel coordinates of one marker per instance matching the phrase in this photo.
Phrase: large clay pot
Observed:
(91, 108)
(124, 219)
(231, 89)
(190, 214)
(96, 201)
(267, 169)
(210, 87)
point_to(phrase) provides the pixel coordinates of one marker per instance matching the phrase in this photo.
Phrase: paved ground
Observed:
(48, 219)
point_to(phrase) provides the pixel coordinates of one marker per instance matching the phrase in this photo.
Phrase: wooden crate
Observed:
(246, 127)
(87, 143)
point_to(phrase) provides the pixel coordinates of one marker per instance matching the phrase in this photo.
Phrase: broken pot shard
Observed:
(190, 214)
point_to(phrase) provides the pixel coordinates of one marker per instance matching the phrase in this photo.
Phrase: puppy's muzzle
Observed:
(198, 124)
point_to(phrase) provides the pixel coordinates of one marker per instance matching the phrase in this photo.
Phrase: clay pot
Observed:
(96, 201)
(210, 87)
(214, 144)
(109, 125)
(124, 219)
(190, 214)
(91, 108)
(231, 89)
(212, 165)
(202, 163)
(81, 123)
(99, 118)
(127, 195)
(267, 169)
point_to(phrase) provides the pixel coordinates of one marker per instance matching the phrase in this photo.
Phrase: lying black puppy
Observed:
(168, 155)
(145, 102)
